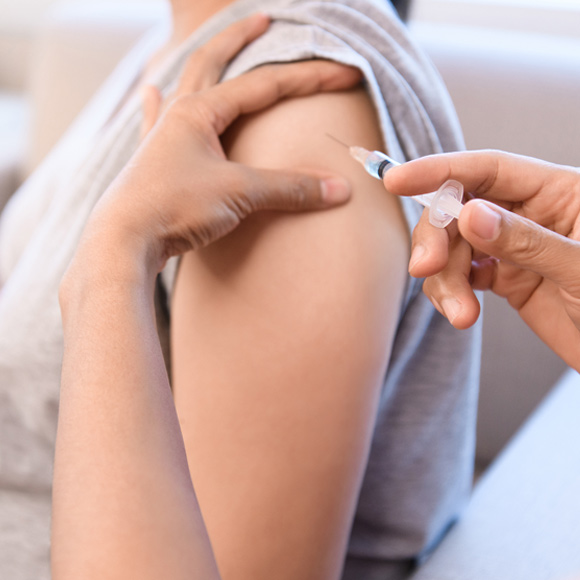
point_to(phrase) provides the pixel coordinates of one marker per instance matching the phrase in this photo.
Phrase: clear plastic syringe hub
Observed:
(444, 204)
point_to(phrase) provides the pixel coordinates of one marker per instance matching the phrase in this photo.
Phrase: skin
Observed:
(124, 503)
(276, 419)
(281, 336)
(520, 239)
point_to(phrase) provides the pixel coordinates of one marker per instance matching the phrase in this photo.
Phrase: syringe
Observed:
(444, 204)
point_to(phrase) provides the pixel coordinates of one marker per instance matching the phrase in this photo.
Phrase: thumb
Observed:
(292, 191)
(518, 240)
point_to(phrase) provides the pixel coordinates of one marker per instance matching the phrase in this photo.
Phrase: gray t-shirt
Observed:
(419, 471)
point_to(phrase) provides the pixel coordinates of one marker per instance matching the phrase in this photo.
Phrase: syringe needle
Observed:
(338, 140)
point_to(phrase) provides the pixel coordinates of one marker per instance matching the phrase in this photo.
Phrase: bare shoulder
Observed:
(349, 113)
(294, 134)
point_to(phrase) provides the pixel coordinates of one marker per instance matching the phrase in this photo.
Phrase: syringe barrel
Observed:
(425, 199)
(444, 204)
(375, 163)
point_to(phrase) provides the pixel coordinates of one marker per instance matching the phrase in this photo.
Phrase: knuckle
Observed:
(430, 286)
(180, 106)
(189, 109)
(179, 112)
(525, 243)
(444, 283)
(432, 296)
(200, 65)
(299, 189)
(192, 66)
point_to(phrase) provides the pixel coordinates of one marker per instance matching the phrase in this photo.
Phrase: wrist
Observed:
(109, 262)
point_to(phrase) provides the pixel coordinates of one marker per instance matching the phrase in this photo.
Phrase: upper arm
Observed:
(281, 334)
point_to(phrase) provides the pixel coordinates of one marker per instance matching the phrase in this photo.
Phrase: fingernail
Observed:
(485, 222)
(416, 256)
(451, 307)
(334, 190)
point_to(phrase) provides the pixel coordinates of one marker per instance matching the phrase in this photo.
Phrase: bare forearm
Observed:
(124, 505)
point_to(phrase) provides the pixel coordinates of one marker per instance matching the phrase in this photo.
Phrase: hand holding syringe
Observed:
(444, 204)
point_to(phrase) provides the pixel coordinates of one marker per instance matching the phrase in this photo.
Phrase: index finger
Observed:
(206, 65)
(491, 174)
(267, 85)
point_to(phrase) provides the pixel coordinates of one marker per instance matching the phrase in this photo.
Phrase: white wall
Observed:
(559, 17)
(25, 15)
(20, 22)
